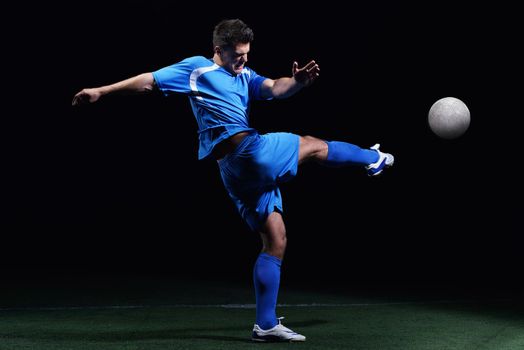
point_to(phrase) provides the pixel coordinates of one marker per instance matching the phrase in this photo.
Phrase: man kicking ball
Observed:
(252, 165)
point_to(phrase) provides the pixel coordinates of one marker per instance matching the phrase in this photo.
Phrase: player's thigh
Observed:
(312, 148)
(273, 231)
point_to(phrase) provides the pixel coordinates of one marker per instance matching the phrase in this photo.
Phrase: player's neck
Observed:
(217, 60)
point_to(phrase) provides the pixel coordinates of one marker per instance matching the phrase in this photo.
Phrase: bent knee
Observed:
(312, 148)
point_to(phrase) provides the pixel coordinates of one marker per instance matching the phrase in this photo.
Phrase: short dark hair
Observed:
(230, 32)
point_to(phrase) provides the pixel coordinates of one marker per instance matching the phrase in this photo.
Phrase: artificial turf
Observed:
(204, 315)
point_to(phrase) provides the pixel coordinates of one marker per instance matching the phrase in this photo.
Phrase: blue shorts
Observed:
(254, 170)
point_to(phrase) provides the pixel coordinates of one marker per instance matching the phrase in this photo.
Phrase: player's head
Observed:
(231, 42)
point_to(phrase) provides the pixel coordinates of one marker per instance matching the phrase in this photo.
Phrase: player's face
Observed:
(234, 59)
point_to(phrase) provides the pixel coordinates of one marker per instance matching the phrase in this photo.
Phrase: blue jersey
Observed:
(220, 100)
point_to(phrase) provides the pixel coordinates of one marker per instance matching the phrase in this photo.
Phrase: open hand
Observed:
(307, 74)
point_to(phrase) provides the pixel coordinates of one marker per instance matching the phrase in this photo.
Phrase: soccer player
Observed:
(252, 165)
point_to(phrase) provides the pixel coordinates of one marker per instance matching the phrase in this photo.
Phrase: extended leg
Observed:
(338, 154)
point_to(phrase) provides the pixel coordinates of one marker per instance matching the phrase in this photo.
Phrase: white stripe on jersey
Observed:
(195, 74)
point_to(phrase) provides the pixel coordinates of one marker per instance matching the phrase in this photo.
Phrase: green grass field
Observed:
(211, 315)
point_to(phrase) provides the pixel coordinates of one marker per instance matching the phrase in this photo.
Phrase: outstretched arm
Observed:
(141, 83)
(288, 86)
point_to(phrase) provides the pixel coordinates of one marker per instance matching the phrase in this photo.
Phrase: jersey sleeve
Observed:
(255, 83)
(176, 77)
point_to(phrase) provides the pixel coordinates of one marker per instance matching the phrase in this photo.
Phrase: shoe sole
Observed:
(277, 341)
(380, 171)
(386, 165)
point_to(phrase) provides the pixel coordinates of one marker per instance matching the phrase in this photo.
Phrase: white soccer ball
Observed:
(449, 118)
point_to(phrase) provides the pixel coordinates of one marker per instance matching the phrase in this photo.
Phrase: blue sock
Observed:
(266, 276)
(343, 153)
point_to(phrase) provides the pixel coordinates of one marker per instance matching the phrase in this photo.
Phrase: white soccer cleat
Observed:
(279, 333)
(385, 160)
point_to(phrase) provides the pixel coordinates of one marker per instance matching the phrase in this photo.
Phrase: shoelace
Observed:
(284, 327)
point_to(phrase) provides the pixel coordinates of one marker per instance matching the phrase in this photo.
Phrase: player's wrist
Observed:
(298, 82)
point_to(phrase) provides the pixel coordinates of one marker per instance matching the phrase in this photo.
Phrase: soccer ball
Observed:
(449, 118)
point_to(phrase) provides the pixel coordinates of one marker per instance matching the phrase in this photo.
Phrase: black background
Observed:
(116, 187)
